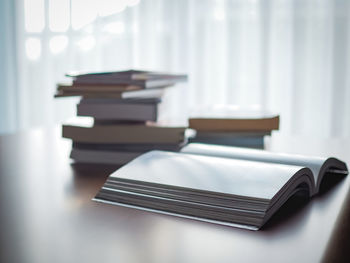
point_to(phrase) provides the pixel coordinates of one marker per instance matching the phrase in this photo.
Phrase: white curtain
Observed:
(8, 77)
(286, 56)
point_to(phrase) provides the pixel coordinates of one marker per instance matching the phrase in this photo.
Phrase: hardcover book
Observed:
(128, 94)
(239, 139)
(84, 132)
(135, 78)
(117, 109)
(118, 84)
(228, 118)
(230, 123)
(115, 154)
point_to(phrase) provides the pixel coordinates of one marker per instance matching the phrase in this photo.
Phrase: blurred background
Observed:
(290, 57)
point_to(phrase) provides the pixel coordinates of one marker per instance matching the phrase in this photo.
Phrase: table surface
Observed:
(47, 214)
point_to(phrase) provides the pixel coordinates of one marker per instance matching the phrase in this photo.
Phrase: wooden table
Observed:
(47, 214)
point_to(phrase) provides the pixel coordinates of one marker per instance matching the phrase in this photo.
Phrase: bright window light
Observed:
(34, 15)
(58, 44)
(114, 28)
(133, 2)
(84, 12)
(89, 29)
(135, 28)
(110, 7)
(219, 14)
(59, 15)
(33, 48)
(86, 43)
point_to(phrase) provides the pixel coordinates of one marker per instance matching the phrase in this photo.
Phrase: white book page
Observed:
(235, 177)
(314, 163)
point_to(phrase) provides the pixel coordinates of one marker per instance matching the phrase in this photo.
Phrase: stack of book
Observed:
(225, 126)
(118, 114)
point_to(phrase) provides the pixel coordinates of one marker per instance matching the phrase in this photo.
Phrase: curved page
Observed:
(228, 176)
(314, 163)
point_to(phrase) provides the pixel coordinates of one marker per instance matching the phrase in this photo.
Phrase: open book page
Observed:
(313, 163)
(234, 177)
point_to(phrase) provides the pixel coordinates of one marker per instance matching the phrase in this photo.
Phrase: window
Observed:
(288, 56)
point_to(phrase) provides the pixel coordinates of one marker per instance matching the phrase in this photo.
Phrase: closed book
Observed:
(124, 133)
(95, 88)
(102, 157)
(249, 142)
(229, 118)
(239, 139)
(234, 124)
(150, 93)
(129, 147)
(119, 110)
(142, 79)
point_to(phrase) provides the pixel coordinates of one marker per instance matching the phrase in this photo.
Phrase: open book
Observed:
(220, 184)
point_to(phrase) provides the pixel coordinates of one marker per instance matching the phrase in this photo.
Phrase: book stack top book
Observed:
(228, 125)
(231, 119)
(121, 84)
